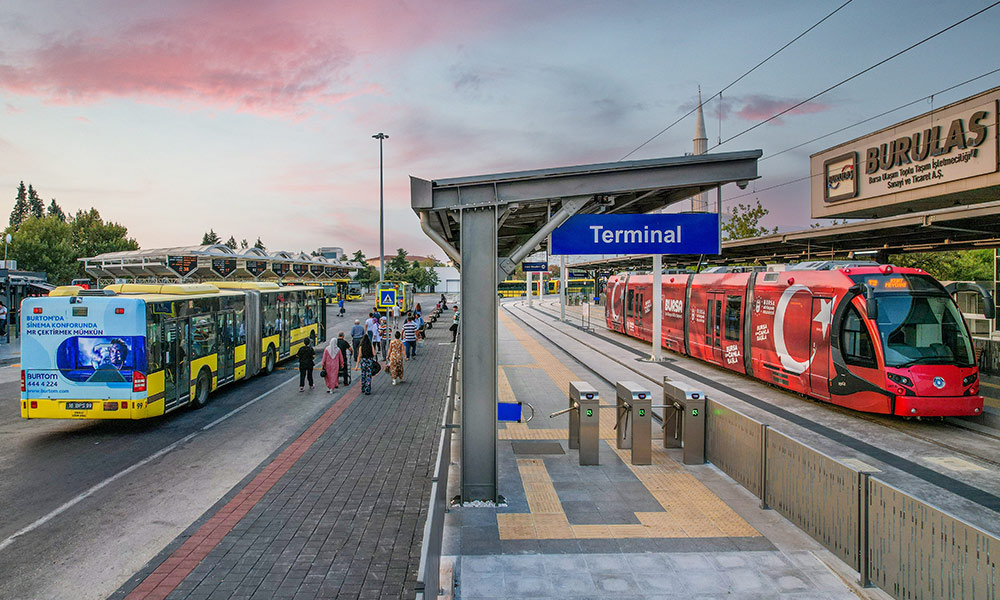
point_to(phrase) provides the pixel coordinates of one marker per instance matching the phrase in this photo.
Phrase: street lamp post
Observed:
(6, 241)
(381, 217)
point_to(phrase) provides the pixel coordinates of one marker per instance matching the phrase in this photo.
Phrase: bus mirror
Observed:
(871, 307)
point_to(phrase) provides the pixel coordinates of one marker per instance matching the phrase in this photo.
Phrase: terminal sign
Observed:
(256, 267)
(696, 233)
(182, 265)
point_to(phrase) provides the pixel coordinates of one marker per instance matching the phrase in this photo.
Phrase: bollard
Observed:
(634, 427)
(685, 424)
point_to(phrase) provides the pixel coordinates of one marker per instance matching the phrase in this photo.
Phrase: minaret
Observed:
(699, 203)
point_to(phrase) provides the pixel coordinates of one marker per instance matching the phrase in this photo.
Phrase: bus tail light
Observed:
(138, 382)
(37, 310)
(24, 388)
(34, 404)
(124, 405)
(119, 311)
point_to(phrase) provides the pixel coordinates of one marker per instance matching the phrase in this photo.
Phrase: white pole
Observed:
(562, 288)
(657, 307)
(528, 276)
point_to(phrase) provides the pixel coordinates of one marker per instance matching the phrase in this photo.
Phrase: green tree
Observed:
(960, 265)
(46, 245)
(422, 278)
(259, 245)
(366, 276)
(358, 256)
(210, 238)
(20, 212)
(36, 207)
(745, 222)
(93, 236)
(54, 210)
(231, 243)
(244, 244)
(398, 265)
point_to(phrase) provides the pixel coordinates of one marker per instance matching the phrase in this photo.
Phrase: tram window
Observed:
(630, 301)
(855, 342)
(733, 304)
(718, 320)
(202, 336)
(710, 318)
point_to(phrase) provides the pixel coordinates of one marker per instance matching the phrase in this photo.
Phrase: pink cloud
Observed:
(760, 107)
(254, 56)
(13, 110)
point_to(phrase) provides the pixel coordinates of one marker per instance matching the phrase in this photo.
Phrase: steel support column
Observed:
(563, 280)
(657, 353)
(479, 353)
(528, 286)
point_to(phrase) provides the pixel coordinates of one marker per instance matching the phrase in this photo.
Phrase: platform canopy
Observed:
(954, 228)
(489, 223)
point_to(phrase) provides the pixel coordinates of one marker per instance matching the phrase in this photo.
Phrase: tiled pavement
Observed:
(336, 513)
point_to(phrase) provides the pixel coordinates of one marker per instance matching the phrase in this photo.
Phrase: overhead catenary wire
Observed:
(735, 81)
(856, 75)
(855, 124)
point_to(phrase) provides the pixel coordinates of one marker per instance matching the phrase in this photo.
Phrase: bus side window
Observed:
(733, 317)
(154, 348)
(855, 342)
(202, 336)
(241, 330)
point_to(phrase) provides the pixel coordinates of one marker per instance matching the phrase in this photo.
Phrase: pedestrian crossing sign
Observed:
(386, 298)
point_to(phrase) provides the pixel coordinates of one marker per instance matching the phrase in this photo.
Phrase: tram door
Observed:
(176, 369)
(819, 347)
(225, 325)
(713, 327)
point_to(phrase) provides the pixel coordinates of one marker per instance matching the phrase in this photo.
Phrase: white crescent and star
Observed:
(824, 318)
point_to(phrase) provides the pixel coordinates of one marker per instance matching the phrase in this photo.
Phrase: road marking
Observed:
(97, 487)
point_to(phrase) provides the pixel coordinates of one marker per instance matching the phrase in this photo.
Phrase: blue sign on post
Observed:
(695, 233)
(386, 298)
(534, 267)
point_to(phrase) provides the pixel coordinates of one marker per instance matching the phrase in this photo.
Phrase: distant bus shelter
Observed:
(488, 224)
(213, 263)
(15, 286)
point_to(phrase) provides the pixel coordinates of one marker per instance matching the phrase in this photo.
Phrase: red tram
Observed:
(873, 338)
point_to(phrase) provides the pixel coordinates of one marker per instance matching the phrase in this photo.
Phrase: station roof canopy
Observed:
(525, 199)
(953, 228)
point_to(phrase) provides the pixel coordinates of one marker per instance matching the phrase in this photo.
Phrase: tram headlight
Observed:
(900, 379)
(970, 379)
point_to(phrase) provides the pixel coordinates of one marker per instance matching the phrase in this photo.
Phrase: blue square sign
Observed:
(386, 298)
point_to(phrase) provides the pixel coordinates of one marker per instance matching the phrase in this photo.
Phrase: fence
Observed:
(429, 570)
(908, 548)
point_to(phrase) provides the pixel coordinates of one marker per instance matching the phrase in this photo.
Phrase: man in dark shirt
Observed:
(306, 356)
(345, 351)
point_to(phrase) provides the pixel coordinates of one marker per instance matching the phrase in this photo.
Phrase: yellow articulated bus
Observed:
(573, 286)
(336, 289)
(134, 351)
(516, 288)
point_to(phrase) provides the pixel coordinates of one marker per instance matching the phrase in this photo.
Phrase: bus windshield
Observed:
(922, 329)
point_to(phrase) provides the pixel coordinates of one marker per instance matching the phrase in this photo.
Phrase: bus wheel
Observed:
(269, 362)
(201, 390)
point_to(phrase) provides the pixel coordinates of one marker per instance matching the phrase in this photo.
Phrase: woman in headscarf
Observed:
(366, 360)
(396, 358)
(330, 364)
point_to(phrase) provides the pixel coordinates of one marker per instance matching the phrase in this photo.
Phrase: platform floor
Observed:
(617, 530)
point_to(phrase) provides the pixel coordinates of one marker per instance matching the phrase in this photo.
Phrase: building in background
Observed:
(331, 252)
(449, 280)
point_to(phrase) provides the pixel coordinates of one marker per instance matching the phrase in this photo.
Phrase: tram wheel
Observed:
(270, 361)
(201, 390)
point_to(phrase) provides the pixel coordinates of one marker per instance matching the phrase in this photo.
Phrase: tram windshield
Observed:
(922, 330)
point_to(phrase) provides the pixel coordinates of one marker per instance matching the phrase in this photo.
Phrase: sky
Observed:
(255, 117)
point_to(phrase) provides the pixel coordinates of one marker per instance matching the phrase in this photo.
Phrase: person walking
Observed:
(357, 332)
(346, 354)
(3, 319)
(306, 356)
(396, 359)
(454, 325)
(384, 336)
(395, 316)
(330, 364)
(410, 338)
(340, 303)
(366, 360)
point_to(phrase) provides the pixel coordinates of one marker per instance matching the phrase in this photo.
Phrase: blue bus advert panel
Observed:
(68, 348)
(696, 233)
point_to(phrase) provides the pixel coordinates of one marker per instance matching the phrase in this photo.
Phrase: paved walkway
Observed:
(336, 513)
(617, 530)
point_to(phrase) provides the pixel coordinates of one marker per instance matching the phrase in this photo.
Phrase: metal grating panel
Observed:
(815, 492)
(918, 552)
(732, 443)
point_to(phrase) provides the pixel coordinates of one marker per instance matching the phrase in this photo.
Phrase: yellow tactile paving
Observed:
(689, 508)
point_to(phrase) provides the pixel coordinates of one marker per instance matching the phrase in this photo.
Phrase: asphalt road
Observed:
(85, 504)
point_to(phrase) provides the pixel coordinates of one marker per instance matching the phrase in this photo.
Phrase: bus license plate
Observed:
(79, 405)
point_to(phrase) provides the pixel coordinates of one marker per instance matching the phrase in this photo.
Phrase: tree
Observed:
(259, 245)
(244, 244)
(93, 236)
(745, 222)
(20, 212)
(210, 238)
(231, 243)
(358, 256)
(398, 265)
(45, 245)
(36, 208)
(54, 210)
(961, 265)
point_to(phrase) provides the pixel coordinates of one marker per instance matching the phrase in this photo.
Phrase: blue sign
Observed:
(694, 233)
(386, 298)
(534, 267)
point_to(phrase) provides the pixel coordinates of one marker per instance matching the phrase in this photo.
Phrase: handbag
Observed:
(322, 373)
(376, 368)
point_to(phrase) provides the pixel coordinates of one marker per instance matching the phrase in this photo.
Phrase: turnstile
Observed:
(684, 420)
(584, 421)
(634, 424)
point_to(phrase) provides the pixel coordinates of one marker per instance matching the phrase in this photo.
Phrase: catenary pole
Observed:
(381, 209)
